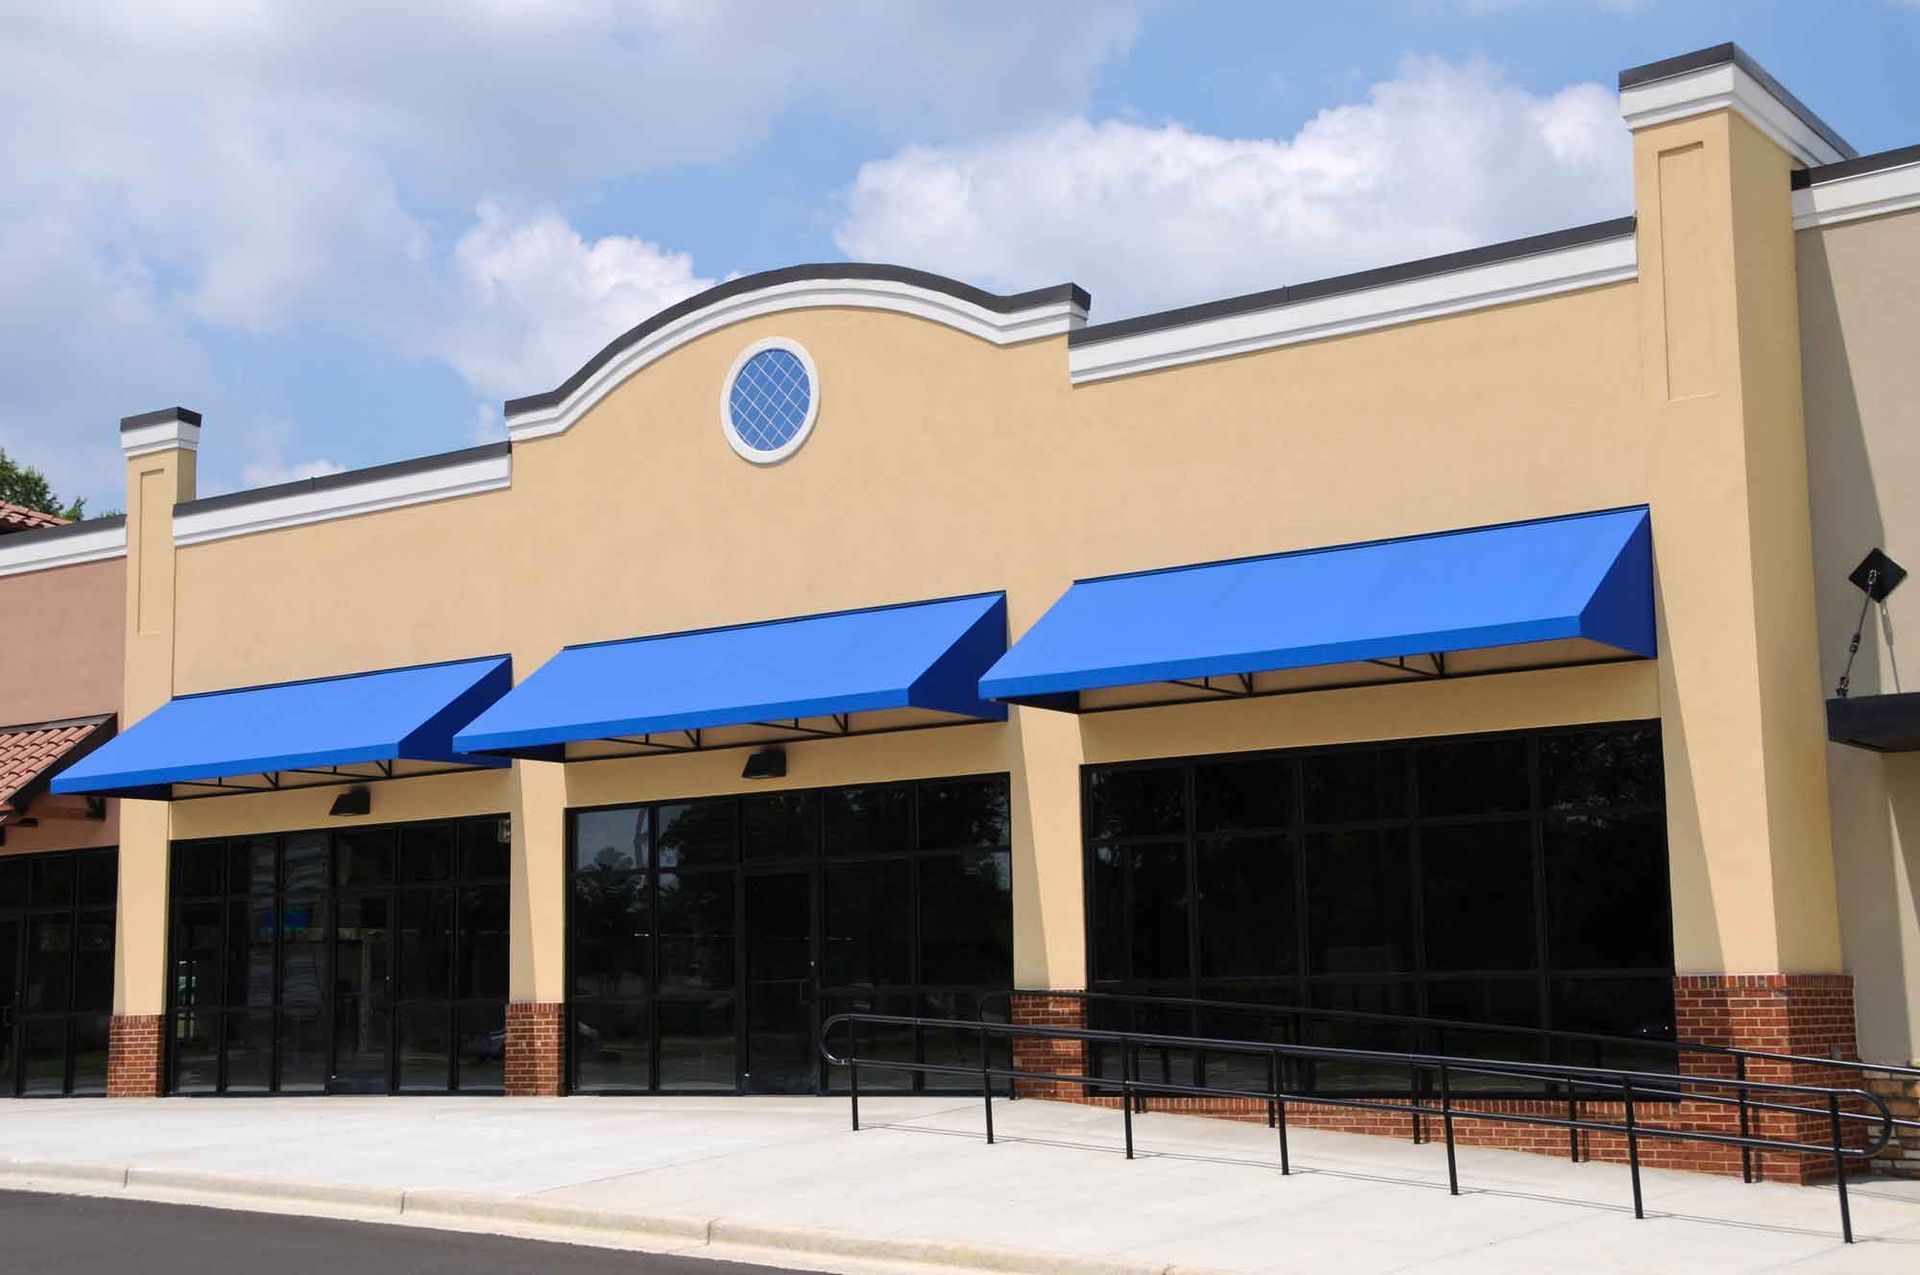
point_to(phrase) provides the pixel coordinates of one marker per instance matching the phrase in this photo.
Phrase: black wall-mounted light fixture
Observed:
(1876, 577)
(765, 763)
(354, 801)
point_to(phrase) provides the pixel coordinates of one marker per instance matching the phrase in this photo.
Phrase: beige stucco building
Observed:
(1577, 830)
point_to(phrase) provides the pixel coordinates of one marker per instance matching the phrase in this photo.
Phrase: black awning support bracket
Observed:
(1875, 577)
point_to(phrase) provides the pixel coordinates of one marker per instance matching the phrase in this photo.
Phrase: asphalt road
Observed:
(76, 1235)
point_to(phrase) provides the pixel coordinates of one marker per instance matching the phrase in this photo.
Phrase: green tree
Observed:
(25, 485)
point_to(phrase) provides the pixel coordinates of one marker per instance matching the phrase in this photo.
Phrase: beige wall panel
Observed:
(1859, 286)
(62, 656)
(940, 465)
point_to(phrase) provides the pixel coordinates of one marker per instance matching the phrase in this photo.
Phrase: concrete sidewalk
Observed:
(784, 1179)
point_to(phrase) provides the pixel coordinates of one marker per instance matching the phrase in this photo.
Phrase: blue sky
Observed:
(346, 233)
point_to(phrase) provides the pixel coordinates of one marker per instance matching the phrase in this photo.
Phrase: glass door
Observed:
(363, 994)
(780, 1055)
(9, 1004)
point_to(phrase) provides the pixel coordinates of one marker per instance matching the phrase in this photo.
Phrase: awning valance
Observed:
(909, 665)
(393, 723)
(1562, 590)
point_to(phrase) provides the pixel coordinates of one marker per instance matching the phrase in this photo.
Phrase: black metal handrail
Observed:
(1631, 1087)
(1441, 1026)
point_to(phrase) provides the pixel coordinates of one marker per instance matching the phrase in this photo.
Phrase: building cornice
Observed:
(171, 429)
(95, 540)
(1500, 274)
(1002, 320)
(1870, 186)
(1721, 78)
(346, 495)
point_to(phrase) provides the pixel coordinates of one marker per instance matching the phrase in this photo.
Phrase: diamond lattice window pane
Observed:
(769, 400)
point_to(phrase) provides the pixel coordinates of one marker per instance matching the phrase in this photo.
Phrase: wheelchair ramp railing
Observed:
(1835, 1109)
(1293, 1024)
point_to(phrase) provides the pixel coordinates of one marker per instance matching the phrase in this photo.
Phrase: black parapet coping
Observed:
(823, 272)
(1880, 161)
(348, 478)
(1733, 54)
(185, 415)
(1273, 298)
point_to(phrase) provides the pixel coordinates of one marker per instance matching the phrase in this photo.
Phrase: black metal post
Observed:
(1840, 1168)
(1746, 1152)
(1126, 1090)
(1633, 1147)
(1280, 1122)
(853, 1071)
(1273, 1083)
(1419, 1100)
(1573, 1117)
(1446, 1121)
(986, 1080)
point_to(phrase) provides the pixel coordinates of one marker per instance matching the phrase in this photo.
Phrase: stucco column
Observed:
(1741, 700)
(1049, 901)
(161, 451)
(537, 986)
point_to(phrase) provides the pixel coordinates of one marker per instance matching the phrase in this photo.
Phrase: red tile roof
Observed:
(20, 518)
(28, 753)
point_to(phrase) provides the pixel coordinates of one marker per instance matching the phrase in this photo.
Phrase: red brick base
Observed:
(536, 1039)
(1061, 1057)
(133, 1056)
(1808, 1014)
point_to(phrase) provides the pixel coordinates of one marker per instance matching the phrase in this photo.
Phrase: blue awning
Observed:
(1558, 590)
(388, 724)
(798, 677)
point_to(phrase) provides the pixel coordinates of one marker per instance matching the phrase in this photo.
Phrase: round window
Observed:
(769, 401)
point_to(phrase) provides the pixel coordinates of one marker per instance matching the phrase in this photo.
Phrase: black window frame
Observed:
(70, 1018)
(324, 892)
(1414, 983)
(819, 860)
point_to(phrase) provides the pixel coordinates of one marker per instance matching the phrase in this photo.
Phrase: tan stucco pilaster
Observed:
(1752, 861)
(1049, 911)
(161, 473)
(539, 945)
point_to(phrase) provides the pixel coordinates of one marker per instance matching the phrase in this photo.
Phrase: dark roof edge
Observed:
(1360, 281)
(1900, 157)
(994, 301)
(184, 414)
(347, 478)
(36, 535)
(1721, 55)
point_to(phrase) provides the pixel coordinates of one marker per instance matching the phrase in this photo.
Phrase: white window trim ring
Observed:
(792, 445)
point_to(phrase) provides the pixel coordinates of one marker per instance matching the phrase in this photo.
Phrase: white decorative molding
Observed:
(1052, 318)
(323, 503)
(26, 551)
(1890, 190)
(1727, 87)
(160, 436)
(1429, 296)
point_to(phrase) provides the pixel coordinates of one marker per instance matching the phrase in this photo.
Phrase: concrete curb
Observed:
(687, 1235)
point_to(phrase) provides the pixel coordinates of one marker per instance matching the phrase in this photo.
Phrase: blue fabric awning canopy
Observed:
(918, 663)
(386, 724)
(1559, 590)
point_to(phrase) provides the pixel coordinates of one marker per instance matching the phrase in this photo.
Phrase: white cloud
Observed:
(532, 299)
(181, 170)
(1441, 157)
(263, 443)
